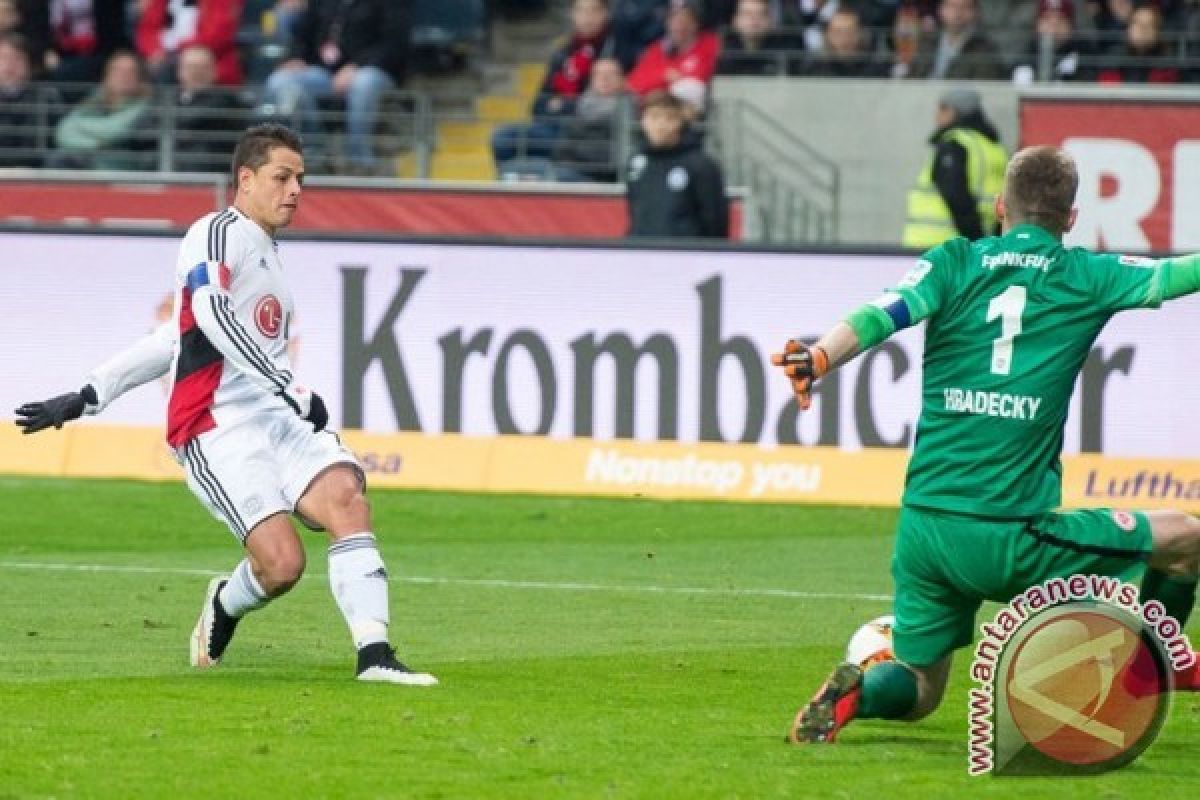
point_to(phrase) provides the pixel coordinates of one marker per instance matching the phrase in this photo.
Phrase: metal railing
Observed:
(796, 191)
(784, 54)
(63, 126)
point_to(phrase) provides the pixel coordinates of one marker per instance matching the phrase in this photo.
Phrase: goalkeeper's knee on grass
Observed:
(889, 691)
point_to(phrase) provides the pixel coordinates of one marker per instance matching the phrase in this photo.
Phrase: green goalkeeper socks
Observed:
(889, 691)
(1177, 594)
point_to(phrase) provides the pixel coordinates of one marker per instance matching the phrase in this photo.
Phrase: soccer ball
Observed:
(872, 643)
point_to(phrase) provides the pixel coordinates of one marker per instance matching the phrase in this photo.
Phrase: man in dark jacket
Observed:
(955, 194)
(209, 119)
(356, 49)
(673, 187)
(586, 149)
(751, 46)
(844, 53)
(959, 51)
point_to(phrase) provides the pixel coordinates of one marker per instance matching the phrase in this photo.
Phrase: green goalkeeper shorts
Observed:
(945, 565)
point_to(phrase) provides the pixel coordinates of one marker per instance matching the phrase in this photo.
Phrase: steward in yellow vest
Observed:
(956, 192)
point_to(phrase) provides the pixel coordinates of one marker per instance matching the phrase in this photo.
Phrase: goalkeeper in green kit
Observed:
(1010, 321)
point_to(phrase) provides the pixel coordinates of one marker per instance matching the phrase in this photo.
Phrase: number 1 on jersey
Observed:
(1008, 306)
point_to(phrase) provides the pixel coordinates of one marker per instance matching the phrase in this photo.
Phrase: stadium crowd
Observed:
(107, 69)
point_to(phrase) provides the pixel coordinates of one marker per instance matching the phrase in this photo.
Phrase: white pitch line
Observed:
(490, 582)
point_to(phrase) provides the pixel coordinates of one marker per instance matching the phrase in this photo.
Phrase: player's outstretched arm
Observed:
(212, 308)
(868, 326)
(147, 359)
(805, 364)
(53, 412)
(1181, 276)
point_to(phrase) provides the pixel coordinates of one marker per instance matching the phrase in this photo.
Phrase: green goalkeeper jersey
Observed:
(1011, 320)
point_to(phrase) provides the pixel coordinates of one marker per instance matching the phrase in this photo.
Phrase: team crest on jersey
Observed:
(268, 316)
(1125, 521)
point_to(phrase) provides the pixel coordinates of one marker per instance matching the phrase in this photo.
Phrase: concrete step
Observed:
(500, 108)
(528, 78)
(463, 136)
(463, 167)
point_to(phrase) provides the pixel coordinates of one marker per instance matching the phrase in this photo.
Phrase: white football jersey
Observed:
(233, 313)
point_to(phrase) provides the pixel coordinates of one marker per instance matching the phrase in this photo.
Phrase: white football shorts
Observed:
(260, 466)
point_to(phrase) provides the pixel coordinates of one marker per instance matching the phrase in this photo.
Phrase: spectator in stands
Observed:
(1010, 24)
(811, 17)
(956, 192)
(673, 187)
(351, 49)
(284, 17)
(167, 27)
(844, 54)
(718, 14)
(1144, 57)
(1109, 17)
(82, 35)
(752, 45)
(15, 19)
(685, 52)
(959, 50)
(18, 121)
(567, 76)
(208, 118)
(1055, 23)
(585, 150)
(638, 22)
(113, 127)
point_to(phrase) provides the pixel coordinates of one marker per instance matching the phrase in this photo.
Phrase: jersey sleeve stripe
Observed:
(216, 235)
(251, 347)
(237, 336)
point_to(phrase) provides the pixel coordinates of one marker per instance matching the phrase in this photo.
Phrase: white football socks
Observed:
(359, 583)
(242, 594)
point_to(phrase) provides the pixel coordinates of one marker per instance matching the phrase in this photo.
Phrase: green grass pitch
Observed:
(587, 648)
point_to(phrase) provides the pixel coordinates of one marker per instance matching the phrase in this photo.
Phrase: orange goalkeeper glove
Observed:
(803, 365)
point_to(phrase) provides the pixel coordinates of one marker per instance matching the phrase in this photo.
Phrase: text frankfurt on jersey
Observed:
(1017, 261)
(992, 404)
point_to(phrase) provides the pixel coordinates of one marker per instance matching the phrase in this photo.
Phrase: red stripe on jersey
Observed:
(189, 412)
(187, 320)
(224, 276)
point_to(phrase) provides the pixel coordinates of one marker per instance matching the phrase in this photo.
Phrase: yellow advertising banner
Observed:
(619, 468)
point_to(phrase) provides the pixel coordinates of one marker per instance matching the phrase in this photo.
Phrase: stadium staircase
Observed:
(468, 107)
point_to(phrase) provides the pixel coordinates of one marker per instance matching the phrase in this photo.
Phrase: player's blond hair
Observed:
(1039, 188)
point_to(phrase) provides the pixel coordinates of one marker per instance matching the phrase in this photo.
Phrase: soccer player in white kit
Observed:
(252, 441)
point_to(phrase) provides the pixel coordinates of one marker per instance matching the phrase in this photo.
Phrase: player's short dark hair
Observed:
(254, 148)
(1039, 188)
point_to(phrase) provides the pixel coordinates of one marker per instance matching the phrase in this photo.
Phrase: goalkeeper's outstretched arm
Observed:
(147, 359)
(865, 328)
(1181, 276)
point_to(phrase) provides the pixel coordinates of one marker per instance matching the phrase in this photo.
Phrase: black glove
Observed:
(318, 415)
(34, 417)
